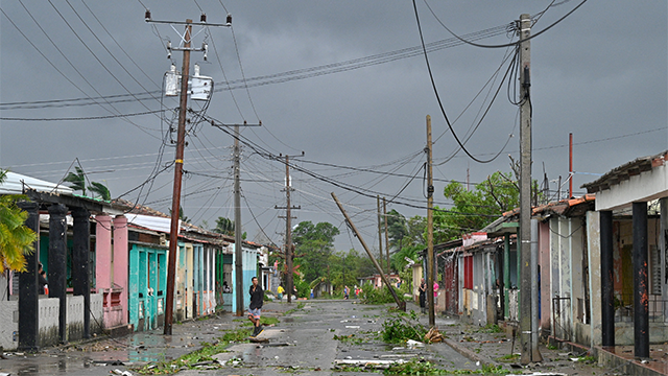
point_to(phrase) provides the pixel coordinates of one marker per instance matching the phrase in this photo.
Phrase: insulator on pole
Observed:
(147, 15)
(229, 19)
(202, 18)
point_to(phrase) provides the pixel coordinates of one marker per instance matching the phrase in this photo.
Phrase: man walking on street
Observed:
(255, 307)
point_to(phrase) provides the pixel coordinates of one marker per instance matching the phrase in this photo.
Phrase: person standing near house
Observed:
(423, 295)
(280, 292)
(346, 291)
(41, 275)
(255, 307)
(435, 291)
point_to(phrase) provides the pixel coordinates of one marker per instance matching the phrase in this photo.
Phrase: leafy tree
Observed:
(313, 246)
(77, 180)
(16, 239)
(397, 228)
(224, 226)
(475, 209)
(416, 230)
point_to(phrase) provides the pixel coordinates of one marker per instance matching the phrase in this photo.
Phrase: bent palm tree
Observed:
(78, 180)
(101, 190)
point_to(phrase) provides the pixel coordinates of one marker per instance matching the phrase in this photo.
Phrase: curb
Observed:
(483, 359)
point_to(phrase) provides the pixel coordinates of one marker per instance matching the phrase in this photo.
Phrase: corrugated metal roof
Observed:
(15, 182)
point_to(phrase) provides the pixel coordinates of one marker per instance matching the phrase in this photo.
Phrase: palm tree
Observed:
(101, 190)
(16, 238)
(224, 226)
(78, 180)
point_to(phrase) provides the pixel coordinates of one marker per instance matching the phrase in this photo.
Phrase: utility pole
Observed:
(186, 40)
(178, 174)
(387, 240)
(288, 229)
(570, 165)
(400, 302)
(530, 352)
(430, 228)
(380, 236)
(238, 250)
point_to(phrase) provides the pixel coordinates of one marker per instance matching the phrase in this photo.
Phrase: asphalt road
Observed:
(303, 342)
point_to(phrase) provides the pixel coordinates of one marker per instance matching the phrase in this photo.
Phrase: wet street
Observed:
(305, 341)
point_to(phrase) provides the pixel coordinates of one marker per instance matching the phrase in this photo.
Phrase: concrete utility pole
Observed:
(387, 240)
(288, 229)
(430, 228)
(186, 39)
(238, 250)
(530, 352)
(380, 236)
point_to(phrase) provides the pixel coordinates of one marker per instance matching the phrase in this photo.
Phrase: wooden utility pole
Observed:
(178, 174)
(288, 230)
(430, 228)
(400, 303)
(186, 40)
(387, 239)
(530, 352)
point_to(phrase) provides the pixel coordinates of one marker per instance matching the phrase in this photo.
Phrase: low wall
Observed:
(49, 312)
(49, 309)
(9, 329)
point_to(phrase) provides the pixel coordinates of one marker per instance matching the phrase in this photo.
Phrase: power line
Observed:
(463, 40)
(83, 118)
(291, 75)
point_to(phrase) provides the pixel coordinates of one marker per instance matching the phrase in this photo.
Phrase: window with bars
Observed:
(655, 269)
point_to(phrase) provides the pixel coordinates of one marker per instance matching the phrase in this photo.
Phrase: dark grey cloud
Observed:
(600, 74)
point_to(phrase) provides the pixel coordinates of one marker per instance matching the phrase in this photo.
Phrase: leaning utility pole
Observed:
(178, 173)
(530, 352)
(400, 302)
(430, 228)
(186, 39)
(288, 229)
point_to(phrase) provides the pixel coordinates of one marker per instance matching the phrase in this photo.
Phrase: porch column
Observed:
(640, 280)
(28, 284)
(607, 281)
(81, 262)
(120, 260)
(58, 264)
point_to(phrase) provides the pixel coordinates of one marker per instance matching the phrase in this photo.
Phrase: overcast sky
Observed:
(343, 81)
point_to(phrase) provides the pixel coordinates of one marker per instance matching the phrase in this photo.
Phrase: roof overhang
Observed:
(644, 179)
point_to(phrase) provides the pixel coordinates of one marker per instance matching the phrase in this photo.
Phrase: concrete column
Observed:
(607, 280)
(640, 281)
(28, 286)
(81, 262)
(58, 264)
(121, 262)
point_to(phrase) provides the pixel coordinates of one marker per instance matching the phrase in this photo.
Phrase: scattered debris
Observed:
(433, 336)
(366, 363)
(412, 344)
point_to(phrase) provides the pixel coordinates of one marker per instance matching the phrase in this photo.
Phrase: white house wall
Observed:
(594, 245)
(646, 186)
